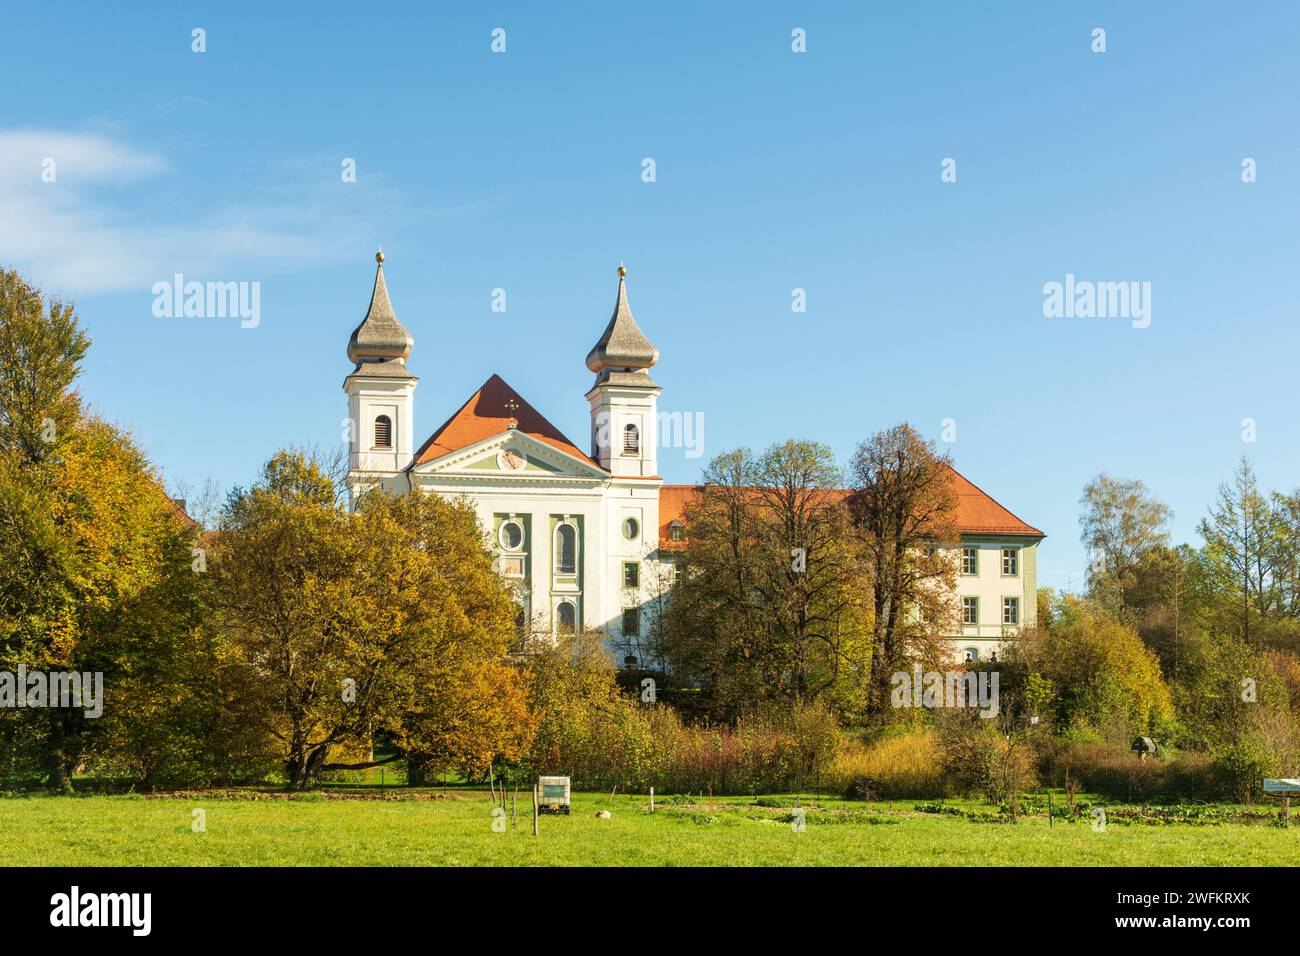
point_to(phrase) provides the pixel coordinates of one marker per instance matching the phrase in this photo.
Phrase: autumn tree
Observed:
(384, 621)
(903, 507)
(1102, 677)
(95, 561)
(773, 600)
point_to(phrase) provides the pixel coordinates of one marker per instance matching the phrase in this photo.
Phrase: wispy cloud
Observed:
(91, 230)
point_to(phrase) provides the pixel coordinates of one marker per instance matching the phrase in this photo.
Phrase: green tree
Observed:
(1102, 677)
(1120, 524)
(1238, 549)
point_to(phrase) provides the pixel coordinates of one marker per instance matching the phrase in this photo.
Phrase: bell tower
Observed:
(381, 393)
(624, 400)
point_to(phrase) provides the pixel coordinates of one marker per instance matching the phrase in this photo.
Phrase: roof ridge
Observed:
(976, 523)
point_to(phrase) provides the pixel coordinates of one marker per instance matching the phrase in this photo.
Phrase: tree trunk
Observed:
(304, 767)
(59, 763)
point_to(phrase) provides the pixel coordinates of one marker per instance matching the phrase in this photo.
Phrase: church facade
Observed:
(585, 538)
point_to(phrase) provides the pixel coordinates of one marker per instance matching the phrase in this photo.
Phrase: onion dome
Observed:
(380, 337)
(623, 353)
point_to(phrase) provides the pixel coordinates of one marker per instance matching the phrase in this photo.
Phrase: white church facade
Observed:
(586, 538)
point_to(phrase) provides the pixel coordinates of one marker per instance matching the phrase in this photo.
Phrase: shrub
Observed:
(1118, 774)
(904, 766)
(1239, 770)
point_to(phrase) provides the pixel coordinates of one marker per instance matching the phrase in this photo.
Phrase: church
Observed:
(586, 538)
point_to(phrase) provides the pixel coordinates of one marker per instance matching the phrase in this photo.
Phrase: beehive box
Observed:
(553, 794)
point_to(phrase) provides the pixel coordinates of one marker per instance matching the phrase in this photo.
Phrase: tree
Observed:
(1121, 522)
(387, 620)
(772, 605)
(1102, 677)
(41, 348)
(904, 509)
(1165, 598)
(95, 561)
(1237, 535)
(811, 580)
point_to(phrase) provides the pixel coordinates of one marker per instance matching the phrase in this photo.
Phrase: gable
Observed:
(491, 462)
(485, 415)
(513, 456)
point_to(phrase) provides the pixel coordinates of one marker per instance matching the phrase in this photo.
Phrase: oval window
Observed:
(512, 536)
(630, 529)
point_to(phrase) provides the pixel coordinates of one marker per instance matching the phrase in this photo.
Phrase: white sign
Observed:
(1282, 786)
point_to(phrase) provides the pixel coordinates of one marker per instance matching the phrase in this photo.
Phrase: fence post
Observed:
(534, 809)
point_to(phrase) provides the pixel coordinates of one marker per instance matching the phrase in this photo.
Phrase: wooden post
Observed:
(1286, 803)
(652, 799)
(513, 797)
(534, 809)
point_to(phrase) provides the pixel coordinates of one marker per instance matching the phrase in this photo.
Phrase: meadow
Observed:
(455, 828)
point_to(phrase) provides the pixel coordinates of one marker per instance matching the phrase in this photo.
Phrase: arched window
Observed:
(383, 432)
(567, 617)
(631, 440)
(677, 531)
(566, 549)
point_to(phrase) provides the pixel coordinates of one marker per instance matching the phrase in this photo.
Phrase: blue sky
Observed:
(774, 171)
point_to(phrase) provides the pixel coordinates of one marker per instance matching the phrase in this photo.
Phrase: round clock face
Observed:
(510, 460)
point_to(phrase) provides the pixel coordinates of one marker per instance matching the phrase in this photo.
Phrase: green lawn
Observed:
(456, 830)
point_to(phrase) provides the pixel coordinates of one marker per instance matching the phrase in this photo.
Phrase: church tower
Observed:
(381, 392)
(624, 399)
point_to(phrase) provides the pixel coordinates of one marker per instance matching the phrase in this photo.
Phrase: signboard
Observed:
(1282, 786)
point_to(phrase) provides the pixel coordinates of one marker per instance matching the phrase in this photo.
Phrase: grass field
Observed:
(455, 829)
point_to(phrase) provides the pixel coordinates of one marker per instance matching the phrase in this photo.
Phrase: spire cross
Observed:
(512, 406)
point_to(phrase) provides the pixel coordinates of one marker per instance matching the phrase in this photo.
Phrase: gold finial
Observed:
(512, 406)
(379, 256)
(622, 270)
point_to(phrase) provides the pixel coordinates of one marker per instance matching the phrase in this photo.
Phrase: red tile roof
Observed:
(977, 512)
(486, 415)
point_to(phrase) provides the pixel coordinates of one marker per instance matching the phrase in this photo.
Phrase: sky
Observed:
(774, 170)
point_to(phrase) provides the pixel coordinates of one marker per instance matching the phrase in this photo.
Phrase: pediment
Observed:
(511, 455)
